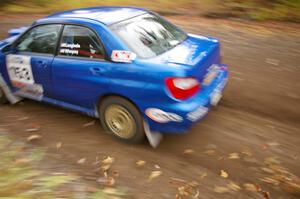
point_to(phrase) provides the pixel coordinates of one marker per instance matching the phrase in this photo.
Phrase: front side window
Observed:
(78, 41)
(40, 39)
(149, 35)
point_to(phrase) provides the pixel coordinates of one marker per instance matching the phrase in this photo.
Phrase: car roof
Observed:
(106, 15)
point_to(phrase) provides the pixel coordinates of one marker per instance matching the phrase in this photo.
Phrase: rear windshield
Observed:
(149, 35)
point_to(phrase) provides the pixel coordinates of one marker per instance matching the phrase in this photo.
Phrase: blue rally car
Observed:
(127, 66)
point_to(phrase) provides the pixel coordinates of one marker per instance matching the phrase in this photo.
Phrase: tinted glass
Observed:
(149, 35)
(80, 41)
(41, 39)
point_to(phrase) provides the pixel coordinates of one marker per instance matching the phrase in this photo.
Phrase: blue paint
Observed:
(71, 83)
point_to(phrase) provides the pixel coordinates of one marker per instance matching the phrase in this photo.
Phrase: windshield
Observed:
(149, 35)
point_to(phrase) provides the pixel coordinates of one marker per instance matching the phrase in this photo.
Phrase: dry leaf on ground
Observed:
(210, 152)
(234, 156)
(34, 137)
(89, 123)
(250, 187)
(224, 174)
(58, 145)
(188, 151)
(154, 174)
(220, 189)
(233, 186)
(81, 161)
(140, 163)
(108, 160)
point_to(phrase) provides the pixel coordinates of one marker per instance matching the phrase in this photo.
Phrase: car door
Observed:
(29, 64)
(80, 69)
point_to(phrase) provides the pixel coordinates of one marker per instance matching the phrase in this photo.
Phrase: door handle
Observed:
(96, 71)
(42, 64)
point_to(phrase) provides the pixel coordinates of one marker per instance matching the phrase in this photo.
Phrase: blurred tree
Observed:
(2, 2)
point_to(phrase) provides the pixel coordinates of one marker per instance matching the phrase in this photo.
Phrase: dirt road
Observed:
(253, 135)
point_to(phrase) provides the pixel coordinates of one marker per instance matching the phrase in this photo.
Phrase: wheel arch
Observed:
(107, 95)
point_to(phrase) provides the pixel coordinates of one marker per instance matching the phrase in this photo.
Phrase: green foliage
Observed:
(287, 10)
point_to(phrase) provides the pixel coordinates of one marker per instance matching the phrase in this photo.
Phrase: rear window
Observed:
(149, 35)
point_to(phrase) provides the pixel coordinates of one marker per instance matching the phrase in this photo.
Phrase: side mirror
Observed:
(123, 56)
(7, 48)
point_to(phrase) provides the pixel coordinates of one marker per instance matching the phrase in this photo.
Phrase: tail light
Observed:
(183, 87)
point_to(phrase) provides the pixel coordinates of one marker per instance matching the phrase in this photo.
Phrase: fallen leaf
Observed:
(250, 187)
(234, 156)
(272, 61)
(265, 194)
(154, 174)
(268, 170)
(140, 163)
(270, 181)
(224, 174)
(23, 118)
(34, 137)
(197, 194)
(182, 191)
(210, 152)
(106, 181)
(273, 144)
(81, 161)
(32, 130)
(247, 152)
(203, 175)
(177, 182)
(58, 145)
(89, 123)
(156, 166)
(220, 189)
(108, 160)
(116, 174)
(105, 167)
(188, 151)
(272, 160)
(233, 186)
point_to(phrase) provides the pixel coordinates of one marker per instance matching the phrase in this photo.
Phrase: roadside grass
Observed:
(21, 178)
(260, 10)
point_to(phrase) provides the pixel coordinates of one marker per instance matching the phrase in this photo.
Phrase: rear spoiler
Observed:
(17, 31)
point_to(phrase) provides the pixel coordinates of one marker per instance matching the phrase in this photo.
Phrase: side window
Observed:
(80, 41)
(41, 39)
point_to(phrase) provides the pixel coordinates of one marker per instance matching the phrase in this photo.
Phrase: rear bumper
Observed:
(189, 112)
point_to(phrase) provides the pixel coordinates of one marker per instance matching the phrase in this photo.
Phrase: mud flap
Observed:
(13, 99)
(154, 138)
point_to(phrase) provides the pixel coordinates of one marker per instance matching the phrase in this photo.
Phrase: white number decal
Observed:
(19, 69)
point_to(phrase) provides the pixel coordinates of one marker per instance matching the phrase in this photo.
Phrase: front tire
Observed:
(122, 119)
(3, 99)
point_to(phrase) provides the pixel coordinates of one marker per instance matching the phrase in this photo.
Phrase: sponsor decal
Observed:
(197, 114)
(71, 46)
(161, 116)
(122, 56)
(70, 49)
(21, 77)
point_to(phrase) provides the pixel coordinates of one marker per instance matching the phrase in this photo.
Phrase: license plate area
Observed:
(213, 72)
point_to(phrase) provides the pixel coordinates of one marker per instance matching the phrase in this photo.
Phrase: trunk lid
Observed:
(197, 54)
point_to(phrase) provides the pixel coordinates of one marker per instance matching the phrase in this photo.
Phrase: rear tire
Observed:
(122, 119)
(3, 99)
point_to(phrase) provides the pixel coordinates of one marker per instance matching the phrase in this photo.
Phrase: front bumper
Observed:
(190, 111)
